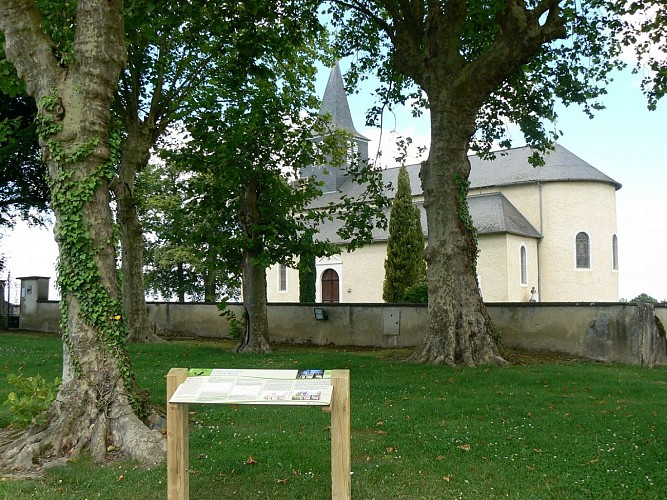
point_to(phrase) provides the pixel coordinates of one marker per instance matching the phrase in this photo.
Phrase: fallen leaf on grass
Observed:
(389, 449)
(281, 481)
(380, 432)
(440, 457)
(464, 447)
(447, 478)
(590, 462)
(121, 477)
(250, 461)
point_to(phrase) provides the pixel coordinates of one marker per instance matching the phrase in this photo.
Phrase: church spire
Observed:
(334, 103)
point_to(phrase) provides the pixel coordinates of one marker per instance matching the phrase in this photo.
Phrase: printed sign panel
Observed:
(237, 386)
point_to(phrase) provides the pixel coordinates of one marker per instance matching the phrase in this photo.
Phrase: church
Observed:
(545, 233)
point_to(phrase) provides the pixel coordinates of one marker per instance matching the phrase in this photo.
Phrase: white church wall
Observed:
(570, 208)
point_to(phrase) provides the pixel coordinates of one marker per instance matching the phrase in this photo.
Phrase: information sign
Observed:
(237, 386)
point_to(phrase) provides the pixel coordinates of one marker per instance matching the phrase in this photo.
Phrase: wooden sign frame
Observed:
(178, 449)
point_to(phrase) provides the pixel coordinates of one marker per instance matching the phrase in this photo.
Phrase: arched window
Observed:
(614, 252)
(583, 251)
(524, 266)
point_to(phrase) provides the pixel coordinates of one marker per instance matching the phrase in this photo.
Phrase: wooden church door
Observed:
(330, 286)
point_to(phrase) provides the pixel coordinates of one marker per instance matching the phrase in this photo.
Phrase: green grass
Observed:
(545, 428)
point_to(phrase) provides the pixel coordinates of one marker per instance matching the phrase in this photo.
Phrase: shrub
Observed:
(644, 297)
(417, 293)
(31, 400)
(235, 324)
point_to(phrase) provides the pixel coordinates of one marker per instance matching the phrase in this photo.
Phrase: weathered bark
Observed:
(180, 276)
(459, 329)
(134, 158)
(256, 325)
(427, 39)
(93, 408)
(255, 335)
(210, 285)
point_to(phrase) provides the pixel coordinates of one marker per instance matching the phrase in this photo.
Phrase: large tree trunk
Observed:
(256, 325)
(254, 338)
(97, 404)
(459, 329)
(134, 157)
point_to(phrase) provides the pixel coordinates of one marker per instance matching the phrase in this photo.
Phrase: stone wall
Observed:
(611, 332)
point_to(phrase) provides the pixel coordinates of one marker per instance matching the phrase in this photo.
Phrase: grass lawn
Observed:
(545, 427)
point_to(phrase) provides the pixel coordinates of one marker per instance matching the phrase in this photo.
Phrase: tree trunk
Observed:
(180, 282)
(254, 338)
(459, 329)
(134, 157)
(210, 282)
(256, 326)
(97, 404)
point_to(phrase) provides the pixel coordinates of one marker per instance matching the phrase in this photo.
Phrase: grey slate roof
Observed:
(493, 213)
(334, 102)
(512, 167)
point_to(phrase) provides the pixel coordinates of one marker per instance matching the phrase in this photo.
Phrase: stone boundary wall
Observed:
(612, 332)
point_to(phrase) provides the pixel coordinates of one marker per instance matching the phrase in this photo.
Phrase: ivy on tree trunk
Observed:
(98, 403)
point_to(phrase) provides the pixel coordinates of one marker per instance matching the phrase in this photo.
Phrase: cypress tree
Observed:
(404, 265)
(307, 276)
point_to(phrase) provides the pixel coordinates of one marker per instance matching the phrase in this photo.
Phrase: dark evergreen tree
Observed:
(307, 276)
(404, 265)
(24, 192)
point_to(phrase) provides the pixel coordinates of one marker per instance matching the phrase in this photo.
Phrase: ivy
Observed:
(78, 274)
(462, 190)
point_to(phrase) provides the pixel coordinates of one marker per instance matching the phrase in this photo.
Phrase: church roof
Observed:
(334, 102)
(493, 213)
(510, 167)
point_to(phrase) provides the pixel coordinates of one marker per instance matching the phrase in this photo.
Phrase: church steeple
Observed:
(334, 103)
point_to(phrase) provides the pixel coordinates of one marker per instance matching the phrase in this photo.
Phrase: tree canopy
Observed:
(478, 66)
(24, 191)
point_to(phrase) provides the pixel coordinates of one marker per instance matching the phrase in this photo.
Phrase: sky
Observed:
(625, 141)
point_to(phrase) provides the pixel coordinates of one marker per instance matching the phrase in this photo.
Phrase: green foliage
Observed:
(643, 297)
(404, 265)
(181, 247)
(235, 324)
(462, 190)
(416, 294)
(31, 399)
(401, 43)
(641, 26)
(23, 191)
(307, 277)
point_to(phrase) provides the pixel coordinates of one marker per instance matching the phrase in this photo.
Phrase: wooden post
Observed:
(178, 480)
(340, 436)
